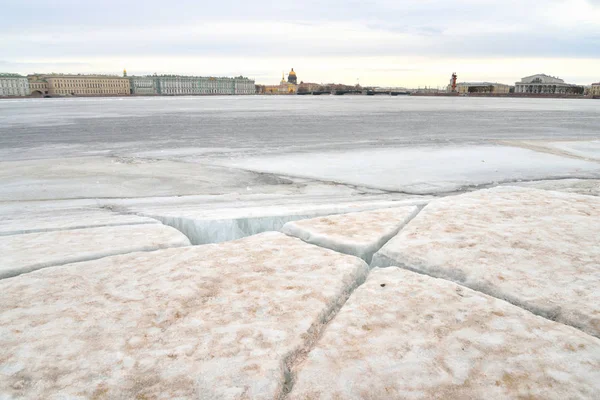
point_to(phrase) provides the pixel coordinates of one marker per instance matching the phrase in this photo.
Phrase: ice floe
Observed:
(214, 322)
(403, 335)
(360, 233)
(42, 221)
(423, 170)
(537, 249)
(114, 177)
(32, 251)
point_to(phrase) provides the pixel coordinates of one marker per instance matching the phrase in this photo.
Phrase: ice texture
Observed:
(403, 335)
(115, 177)
(359, 234)
(589, 187)
(43, 221)
(32, 251)
(537, 249)
(204, 225)
(212, 322)
(586, 149)
(424, 170)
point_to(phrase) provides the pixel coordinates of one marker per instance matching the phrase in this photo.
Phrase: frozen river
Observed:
(35, 128)
(111, 148)
(186, 247)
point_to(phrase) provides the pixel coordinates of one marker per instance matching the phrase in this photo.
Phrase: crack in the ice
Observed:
(292, 360)
(459, 278)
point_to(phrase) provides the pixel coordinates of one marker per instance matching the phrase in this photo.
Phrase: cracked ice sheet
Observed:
(205, 225)
(419, 337)
(359, 234)
(32, 251)
(12, 223)
(212, 322)
(537, 249)
(423, 170)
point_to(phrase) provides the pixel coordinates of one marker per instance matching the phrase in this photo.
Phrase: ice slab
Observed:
(212, 322)
(114, 177)
(586, 149)
(424, 170)
(359, 234)
(32, 251)
(43, 221)
(403, 335)
(537, 249)
(205, 225)
(590, 187)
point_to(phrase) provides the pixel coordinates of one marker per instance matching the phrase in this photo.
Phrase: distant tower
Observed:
(292, 78)
(453, 82)
(124, 73)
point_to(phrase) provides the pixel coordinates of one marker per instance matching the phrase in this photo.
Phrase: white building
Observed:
(244, 86)
(178, 85)
(545, 84)
(141, 85)
(595, 89)
(14, 85)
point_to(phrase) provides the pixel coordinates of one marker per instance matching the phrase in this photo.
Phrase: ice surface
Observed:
(585, 149)
(424, 170)
(589, 187)
(111, 177)
(12, 223)
(214, 225)
(32, 251)
(211, 322)
(359, 234)
(403, 335)
(537, 249)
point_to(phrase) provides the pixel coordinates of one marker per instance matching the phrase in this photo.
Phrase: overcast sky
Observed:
(379, 42)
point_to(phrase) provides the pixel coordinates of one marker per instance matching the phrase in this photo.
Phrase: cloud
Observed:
(93, 31)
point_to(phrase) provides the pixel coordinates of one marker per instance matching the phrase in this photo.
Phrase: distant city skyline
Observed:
(382, 42)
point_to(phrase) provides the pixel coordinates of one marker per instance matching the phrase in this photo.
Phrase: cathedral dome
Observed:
(292, 77)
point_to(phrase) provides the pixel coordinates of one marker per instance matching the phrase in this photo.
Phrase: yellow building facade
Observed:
(595, 91)
(482, 87)
(284, 87)
(80, 85)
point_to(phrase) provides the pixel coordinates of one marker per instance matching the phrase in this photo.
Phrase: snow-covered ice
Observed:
(586, 149)
(537, 249)
(359, 234)
(12, 223)
(403, 335)
(424, 169)
(204, 224)
(32, 251)
(589, 187)
(213, 322)
(113, 177)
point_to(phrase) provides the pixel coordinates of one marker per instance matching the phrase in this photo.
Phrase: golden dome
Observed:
(292, 72)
